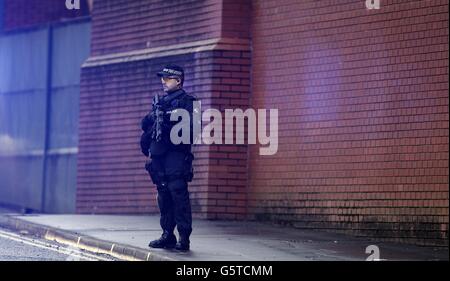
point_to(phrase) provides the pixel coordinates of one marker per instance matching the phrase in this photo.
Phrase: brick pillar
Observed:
(212, 43)
(227, 166)
(226, 196)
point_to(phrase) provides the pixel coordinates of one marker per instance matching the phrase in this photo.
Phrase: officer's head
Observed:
(172, 77)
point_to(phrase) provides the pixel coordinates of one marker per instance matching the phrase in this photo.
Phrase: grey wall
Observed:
(39, 102)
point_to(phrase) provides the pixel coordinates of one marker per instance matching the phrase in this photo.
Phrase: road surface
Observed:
(22, 247)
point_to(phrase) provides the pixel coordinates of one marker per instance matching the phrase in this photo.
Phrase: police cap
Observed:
(171, 70)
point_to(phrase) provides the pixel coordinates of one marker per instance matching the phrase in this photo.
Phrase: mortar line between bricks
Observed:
(90, 243)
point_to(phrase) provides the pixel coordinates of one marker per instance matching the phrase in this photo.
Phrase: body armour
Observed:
(175, 100)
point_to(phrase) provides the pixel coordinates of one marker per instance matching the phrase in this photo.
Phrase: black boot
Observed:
(167, 240)
(183, 244)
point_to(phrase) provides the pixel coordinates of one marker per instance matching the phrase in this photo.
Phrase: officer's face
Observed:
(170, 84)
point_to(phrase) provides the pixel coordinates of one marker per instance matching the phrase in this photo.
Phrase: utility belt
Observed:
(159, 177)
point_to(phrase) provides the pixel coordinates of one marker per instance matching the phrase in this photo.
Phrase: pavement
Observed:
(126, 237)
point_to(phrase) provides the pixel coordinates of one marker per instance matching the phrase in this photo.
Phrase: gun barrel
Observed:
(159, 119)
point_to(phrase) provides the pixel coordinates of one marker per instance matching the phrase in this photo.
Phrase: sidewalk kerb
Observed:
(88, 243)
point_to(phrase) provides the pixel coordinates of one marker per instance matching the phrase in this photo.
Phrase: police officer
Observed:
(169, 164)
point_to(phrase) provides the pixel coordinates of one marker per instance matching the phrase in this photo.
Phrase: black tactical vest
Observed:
(172, 101)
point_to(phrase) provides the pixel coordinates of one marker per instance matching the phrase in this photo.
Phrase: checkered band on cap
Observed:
(172, 71)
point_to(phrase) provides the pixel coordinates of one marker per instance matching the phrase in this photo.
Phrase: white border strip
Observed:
(40, 152)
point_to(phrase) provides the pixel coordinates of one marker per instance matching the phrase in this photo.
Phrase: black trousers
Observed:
(173, 195)
(175, 207)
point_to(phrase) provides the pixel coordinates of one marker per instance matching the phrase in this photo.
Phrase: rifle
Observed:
(158, 113)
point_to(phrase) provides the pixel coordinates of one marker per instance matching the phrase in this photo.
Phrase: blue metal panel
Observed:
(64, 117)
(71, 47)
(24, 116)
(22, 91)
(61, 183)
(23, 59)
(21, 181)
(22, 121)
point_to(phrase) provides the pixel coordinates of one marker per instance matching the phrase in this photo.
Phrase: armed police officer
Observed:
(169, 164)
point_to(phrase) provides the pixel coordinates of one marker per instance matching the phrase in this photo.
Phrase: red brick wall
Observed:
(227, 166)
(363, 105)
(115, 96)
(230, 88)
(113, 100)
(236, 18)
(120, 26)
(29, 13)
(362, 98)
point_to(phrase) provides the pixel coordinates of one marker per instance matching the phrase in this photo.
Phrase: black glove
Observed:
(145, 142)
(147, 122)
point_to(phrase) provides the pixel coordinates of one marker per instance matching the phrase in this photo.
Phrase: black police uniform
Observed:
(170, 170)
